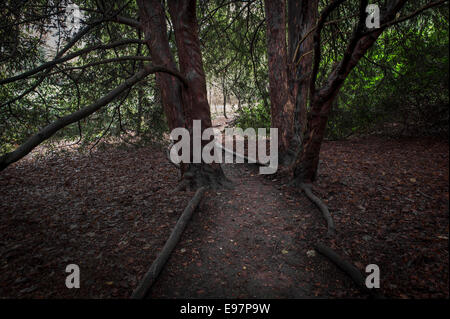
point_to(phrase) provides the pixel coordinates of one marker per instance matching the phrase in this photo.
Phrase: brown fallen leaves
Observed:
(389, 200)
(109, 213)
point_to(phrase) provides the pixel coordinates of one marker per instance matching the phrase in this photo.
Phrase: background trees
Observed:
(296, 65)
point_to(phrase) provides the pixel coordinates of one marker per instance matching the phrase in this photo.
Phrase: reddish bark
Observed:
(183, 16)
(290, 69)
(195, 101)
(281, 102)
(302, 16)
(305, 167)
(153, 21)
(182, 104)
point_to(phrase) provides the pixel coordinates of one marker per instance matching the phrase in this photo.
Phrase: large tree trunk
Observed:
(182, 105)
(281, 101)
(153, 20)
(302, 18)
(184, 20)
(305, 167)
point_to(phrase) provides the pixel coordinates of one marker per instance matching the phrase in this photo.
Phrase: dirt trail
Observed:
(244, 243)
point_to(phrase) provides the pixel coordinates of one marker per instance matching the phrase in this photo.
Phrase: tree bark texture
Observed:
(281, 101)
(321, 100)
(153, 21)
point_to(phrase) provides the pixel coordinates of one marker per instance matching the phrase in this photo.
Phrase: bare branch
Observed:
(126, 21)
(67, 58)
(62, 122)
(409, 16)
(317, 54)
(112, 60)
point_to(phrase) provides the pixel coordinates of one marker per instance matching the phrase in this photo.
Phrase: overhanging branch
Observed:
(68, 57)
(317, 35)
(62, 122)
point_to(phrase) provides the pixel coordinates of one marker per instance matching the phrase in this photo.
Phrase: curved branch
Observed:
(118, 59)
(126, 21)
(317, 52)
(62, 122)
(70, 44)
(68, 57)
(358, 45)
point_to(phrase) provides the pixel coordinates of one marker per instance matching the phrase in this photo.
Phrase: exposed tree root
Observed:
(180, 187)
(323, 208)
(205, 175)
(150, 277)
(348, 268)
(344, 265)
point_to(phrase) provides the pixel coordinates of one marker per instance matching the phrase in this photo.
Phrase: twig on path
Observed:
(150, 277)
(427, 196)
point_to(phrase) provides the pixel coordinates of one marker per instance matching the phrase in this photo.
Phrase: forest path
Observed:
(243, 243)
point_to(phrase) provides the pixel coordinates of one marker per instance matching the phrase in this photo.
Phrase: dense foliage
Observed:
(401, 86)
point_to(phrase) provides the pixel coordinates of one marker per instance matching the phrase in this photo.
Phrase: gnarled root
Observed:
(348, 268)
(323, 208)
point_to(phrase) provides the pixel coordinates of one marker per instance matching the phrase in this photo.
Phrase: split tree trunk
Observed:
(305, 167)
(184, 20)
(182, 104)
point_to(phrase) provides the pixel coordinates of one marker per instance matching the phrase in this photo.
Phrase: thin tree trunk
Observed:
(224, 92)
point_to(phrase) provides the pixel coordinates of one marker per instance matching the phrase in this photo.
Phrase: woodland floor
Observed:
(110, 213)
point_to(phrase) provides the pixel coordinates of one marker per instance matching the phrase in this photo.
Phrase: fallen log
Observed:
(150, 277)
